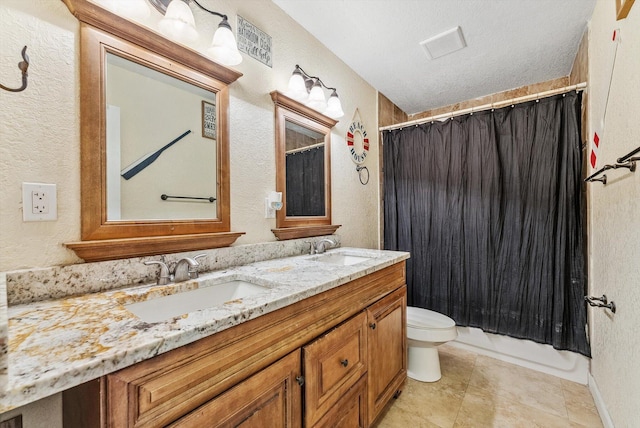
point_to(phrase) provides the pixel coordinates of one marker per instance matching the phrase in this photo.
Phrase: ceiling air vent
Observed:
(444, 43)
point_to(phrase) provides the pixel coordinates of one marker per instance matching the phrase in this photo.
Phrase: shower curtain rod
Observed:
(498, 104)
(304, 149)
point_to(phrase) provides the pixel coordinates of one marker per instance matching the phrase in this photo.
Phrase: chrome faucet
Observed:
(164, 277)
(185, 269)
(320, 246)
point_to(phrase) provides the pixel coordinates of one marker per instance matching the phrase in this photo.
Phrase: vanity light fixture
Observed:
(308, 90)
(178, 24)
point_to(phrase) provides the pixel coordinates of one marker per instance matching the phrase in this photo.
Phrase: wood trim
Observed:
(94, 223)
(622, 8)
(282, 100)
(304, 231)
(172, 384)
(92, 14)
(287, 109)
(112, 249)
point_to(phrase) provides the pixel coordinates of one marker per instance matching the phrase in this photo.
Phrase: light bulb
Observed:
(178, 23)
(334, 107)
(316, 97)
(224, 49)
(297, 88)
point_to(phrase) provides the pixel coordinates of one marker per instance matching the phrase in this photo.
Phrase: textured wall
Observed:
(614, 241)
(39, 131)
(39, 128)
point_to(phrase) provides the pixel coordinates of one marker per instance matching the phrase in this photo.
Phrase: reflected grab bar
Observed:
(211, 199)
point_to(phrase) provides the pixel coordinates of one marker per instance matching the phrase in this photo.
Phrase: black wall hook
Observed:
(23, 66)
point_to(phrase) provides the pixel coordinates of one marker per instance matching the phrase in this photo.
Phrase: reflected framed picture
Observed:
(209, 128)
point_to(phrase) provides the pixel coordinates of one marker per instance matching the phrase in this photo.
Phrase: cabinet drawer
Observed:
(333, 363)
(351, 410)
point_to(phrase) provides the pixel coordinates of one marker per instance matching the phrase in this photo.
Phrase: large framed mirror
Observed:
(303, 169)
(154, 142)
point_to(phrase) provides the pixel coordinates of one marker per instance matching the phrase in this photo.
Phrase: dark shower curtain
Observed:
(305, 182)
(490, 207)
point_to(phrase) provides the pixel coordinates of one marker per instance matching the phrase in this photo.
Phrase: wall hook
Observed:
(22, 65)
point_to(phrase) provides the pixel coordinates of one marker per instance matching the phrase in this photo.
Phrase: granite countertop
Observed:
(57, 344)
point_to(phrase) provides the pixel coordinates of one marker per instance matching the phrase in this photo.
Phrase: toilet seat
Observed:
(425, 319)
(429, 326)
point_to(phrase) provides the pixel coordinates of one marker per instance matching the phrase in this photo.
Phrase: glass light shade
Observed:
(137, 10)
(316, 98)
(297, 88)
(334, 107)
(178, 23)
(224, 48)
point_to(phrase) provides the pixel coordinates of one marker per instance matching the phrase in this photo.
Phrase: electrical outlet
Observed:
(39, 202)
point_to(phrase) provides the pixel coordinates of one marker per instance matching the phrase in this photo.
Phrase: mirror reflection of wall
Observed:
(154, 109)
(305, 170)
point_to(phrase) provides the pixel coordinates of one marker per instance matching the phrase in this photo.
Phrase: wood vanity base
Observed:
(174, 386)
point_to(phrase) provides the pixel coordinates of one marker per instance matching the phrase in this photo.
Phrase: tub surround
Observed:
(57, 344)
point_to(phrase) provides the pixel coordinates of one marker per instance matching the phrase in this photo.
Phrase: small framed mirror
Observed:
(303, 169)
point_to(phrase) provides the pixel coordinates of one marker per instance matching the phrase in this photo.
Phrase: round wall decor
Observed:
(358, 154)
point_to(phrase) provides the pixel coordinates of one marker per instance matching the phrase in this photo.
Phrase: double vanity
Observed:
(313, 340)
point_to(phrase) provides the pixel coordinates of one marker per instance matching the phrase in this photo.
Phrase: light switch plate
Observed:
(39, 202)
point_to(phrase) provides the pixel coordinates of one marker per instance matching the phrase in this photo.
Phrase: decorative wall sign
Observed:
(253, 41)
(358, 144)
(209, 129)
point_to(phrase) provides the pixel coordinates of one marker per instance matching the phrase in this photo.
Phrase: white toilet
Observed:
(425, 331)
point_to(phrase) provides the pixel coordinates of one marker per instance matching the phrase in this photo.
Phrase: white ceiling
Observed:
(510, 43)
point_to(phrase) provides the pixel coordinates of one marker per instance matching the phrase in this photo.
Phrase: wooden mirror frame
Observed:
(104, 240)
(290, 227)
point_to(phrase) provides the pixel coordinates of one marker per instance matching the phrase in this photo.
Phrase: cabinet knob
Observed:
(300, 380)
(344, 362)
(373, 326)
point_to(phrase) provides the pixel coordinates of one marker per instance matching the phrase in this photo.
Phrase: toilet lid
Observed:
(426, 319)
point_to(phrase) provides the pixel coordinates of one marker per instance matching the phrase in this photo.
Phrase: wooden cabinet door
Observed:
(350, 411)
(270, 398)
(333, 363)
(387, 341)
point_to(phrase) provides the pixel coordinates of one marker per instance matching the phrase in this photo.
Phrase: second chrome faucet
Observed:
(185, 269)
(320, 246)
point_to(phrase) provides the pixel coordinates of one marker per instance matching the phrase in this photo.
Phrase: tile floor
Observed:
(478, 391)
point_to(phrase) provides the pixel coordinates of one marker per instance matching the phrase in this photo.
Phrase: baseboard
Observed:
(602, 408)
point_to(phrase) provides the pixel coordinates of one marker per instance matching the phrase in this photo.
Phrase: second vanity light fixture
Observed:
(179, 25)
(308, 90)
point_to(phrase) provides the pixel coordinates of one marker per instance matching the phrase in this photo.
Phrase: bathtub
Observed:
(526, 353)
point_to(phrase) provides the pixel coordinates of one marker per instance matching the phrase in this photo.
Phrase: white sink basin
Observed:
(166, 307)
(341, 259)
